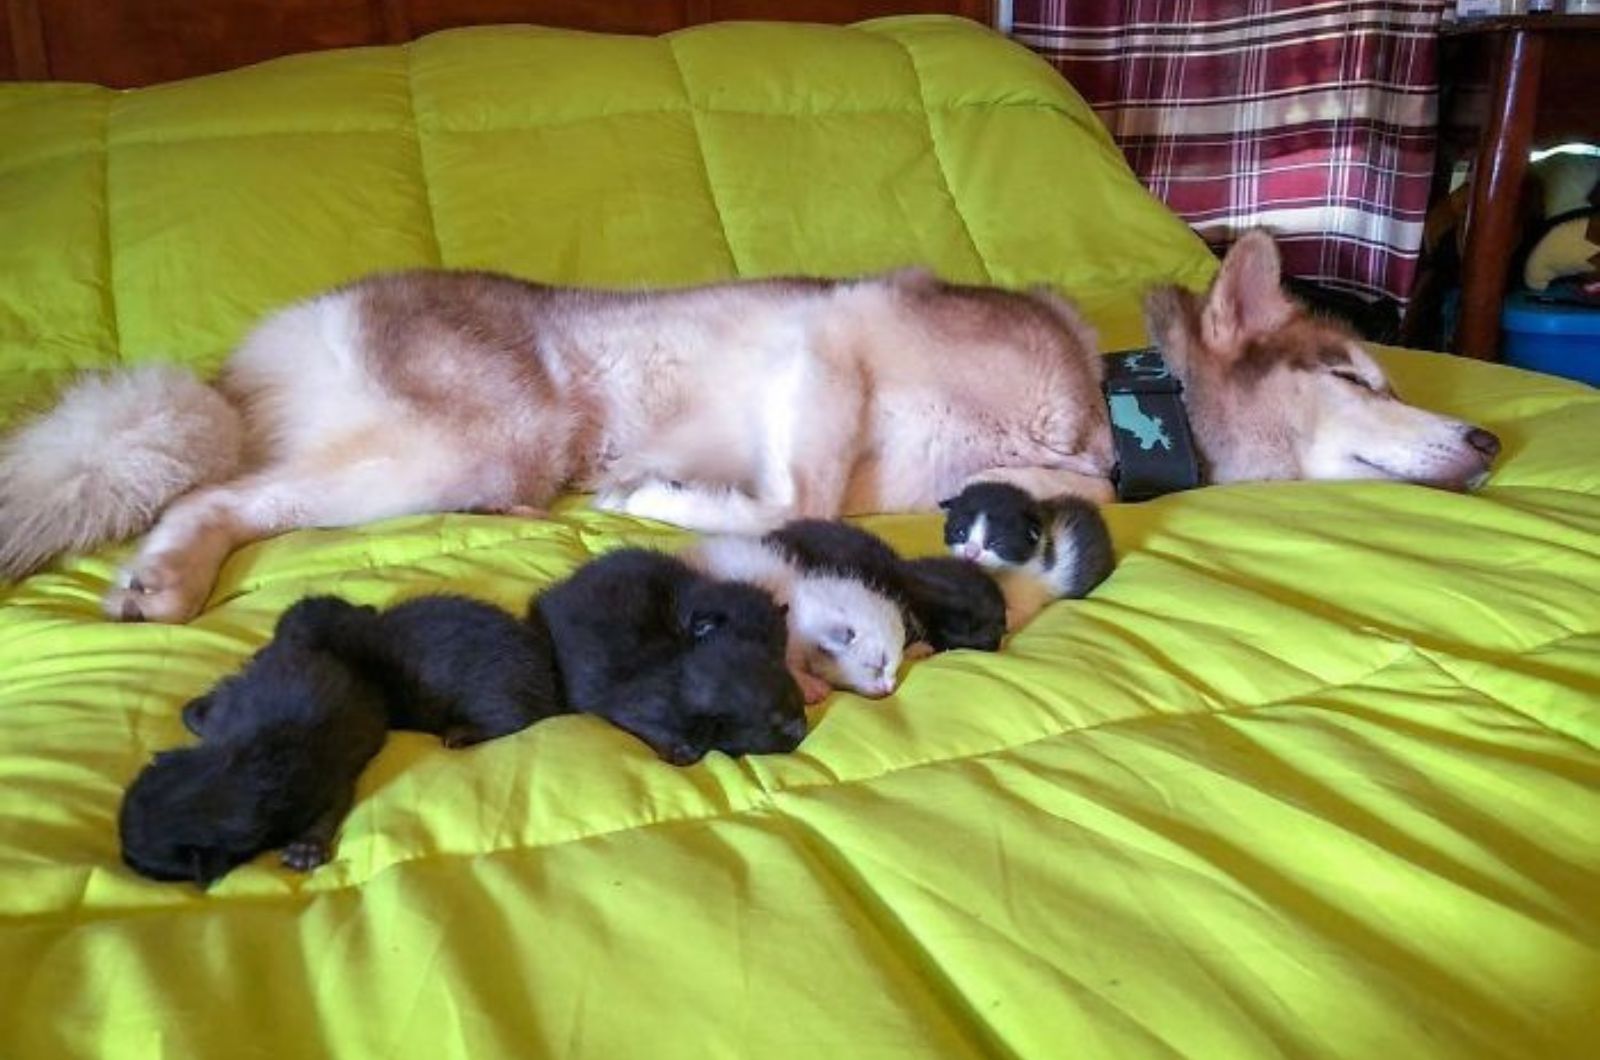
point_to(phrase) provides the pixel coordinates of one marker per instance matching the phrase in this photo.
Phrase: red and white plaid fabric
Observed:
(1311, 118)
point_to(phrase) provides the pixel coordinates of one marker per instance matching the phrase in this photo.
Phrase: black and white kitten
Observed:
(947, 604)
(1038, 550)
(844, 631)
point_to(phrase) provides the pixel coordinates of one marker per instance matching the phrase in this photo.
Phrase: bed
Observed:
(1314, 774)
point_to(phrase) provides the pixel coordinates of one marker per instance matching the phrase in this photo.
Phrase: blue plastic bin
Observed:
(1561, 340)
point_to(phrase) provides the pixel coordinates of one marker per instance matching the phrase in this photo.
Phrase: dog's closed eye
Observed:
(1351, 377)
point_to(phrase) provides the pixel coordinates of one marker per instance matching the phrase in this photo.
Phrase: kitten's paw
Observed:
(1018, 617)
(303, 855)
(812, 687)
(157, 588)
(459, 736)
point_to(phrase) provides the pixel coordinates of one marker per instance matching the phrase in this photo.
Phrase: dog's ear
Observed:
(1246, 298)
(1172, 318)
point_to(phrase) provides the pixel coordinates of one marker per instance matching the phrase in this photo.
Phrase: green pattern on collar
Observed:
(1149, 426)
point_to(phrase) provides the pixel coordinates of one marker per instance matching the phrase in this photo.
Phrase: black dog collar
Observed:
(1149, 426)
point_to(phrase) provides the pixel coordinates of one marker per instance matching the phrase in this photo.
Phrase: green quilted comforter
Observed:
(1314, 774)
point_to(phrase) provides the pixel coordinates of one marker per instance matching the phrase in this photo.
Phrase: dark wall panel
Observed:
(124, 43)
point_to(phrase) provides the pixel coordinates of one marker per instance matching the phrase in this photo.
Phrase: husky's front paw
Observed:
(611, 500)
(648, 499)
(155, 589)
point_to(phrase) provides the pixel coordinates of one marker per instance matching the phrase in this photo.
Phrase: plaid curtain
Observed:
(1311, 118)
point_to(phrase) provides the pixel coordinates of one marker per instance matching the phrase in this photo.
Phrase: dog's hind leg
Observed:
(173, 573)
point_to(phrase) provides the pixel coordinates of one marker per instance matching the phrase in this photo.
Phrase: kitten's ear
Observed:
(947, 504)
(194, 715)
(839, 637)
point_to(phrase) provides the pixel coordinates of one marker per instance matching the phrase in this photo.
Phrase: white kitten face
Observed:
(974, 545)
(995, 540)
(852, 637)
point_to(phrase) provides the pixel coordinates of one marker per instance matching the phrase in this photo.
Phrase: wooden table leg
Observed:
(1501, 163)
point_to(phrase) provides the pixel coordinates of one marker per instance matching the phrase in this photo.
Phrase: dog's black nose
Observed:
(1484, 442)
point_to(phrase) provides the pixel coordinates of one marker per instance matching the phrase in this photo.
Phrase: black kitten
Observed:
(722, 694)
(460, 668)
(636, 608)
(956, 604)
(283, 742)
(1040, 550)
(629, 629)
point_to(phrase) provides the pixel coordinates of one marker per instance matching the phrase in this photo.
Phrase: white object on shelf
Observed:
(1490, 8)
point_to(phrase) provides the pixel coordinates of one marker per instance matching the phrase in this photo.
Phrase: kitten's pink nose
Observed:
(971, 550)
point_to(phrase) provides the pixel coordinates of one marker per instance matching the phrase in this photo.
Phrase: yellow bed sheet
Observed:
(1314, 774)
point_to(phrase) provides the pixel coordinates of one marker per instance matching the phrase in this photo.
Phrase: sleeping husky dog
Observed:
(728, 408)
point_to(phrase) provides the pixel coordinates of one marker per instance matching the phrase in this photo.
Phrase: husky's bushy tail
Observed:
(100, 466)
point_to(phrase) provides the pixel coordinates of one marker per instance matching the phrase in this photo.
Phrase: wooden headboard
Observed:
(124, 43)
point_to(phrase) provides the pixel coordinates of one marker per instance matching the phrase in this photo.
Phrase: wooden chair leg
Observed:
(1498, 171)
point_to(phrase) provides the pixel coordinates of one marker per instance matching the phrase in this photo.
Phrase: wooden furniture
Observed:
(1510, 85)
(126, 43)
